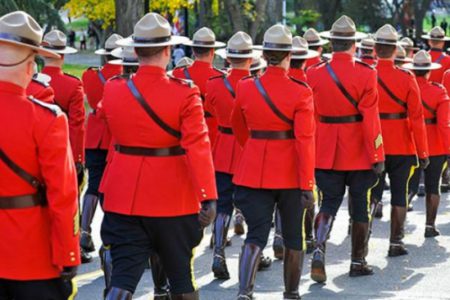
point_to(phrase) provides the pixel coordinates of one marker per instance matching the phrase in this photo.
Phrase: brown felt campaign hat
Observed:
(343, 29)
(152, 30)
(110, 44)
(258, 63)
(300, 49)
(204, 38)
(408, 43)
(366, 43)
(56, 41)
(422, 61)
(20, 29)
(127, 57)
(436, 34)
(313, 37)
(277, 38)
(401, 55)
(240, 45)
(386, 35)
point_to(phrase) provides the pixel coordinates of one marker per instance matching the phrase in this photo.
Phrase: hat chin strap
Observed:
(18, 63)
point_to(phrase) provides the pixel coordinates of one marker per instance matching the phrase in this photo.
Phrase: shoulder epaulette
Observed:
(44, 84)
(438, 85)
(299, 82)
(73, 76)
(364, 64)
(248, 77)
(404, 70)
(185, 82)
(217, 77)
(93, 68)
(316, 65)
(220, 71)
(55, 109)
(120, 76)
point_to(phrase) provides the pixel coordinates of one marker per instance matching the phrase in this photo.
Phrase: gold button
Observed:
(72, 259)
(204, 195)
(72, 253)
(203, 190)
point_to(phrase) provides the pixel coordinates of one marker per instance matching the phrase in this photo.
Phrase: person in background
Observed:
(177, 55)
(436, 40)
(316, 43)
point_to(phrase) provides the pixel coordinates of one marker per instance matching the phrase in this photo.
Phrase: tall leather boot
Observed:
(278, 244)
(161, 284)
(292, 270)
(119, 294)
(248, 263)
(359, 266)
(309, 224)
(398, 217)
(106, 265)
(322, 226)
(89, 207)
(219, 266)
(373, 210)
(239, 223)
(432, 205)
(190, 296)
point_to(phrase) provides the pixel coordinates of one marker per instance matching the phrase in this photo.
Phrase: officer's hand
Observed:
(424, 162)
(307, 199)
(80, 168)
(378, 168)
(68, 273)
(207, 213)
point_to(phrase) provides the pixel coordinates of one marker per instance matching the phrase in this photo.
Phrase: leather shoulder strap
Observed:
(392, 96)
(186, 73)
(340, 86)
(440, 58)
(228, 86)
(269, 102)
(101, 77)
(150, 112)
(33, 181)
(429, 108)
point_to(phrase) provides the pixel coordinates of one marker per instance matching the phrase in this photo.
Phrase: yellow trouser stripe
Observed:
(74, 290)
(194, 283)
(369, 196)
(411, 174)
(303, 230)
(442, 174)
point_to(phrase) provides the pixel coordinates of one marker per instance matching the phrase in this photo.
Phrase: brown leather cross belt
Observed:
(141, 151)
(397, 116)
(225, 130)
(26, 201)
(341, 120)
(272, 135)
(431, 121)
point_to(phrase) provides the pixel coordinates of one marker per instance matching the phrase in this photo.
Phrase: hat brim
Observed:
(428, 37)
(361, 46)
(40, 51)
(122, 63)
(327, 56)
(216, 44)
(103, 52)
(411, 66)
(222, 53)
(358, 36)
(406, 59)
(387, 43)
(262, 48)
(408, 47)
(308, 55)
(66, 50)
(321, 42)
(41, 77)
(262, 64)
(174, 40)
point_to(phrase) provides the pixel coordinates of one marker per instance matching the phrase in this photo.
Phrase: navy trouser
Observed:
(48, 289)
(226, 190)
(95, 163)
(332, 185)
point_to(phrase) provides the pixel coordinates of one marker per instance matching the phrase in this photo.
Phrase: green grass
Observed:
(439, 18)
(78, 24)
(75, 70)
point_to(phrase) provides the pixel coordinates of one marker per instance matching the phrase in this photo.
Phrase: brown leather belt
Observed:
(26, 201)
(431, 121)
(272, 135)
(396, 116)
(141, 151)
(225, 130)
(341, 120)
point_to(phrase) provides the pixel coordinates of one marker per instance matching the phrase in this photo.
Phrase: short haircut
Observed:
(297, 63)
(341, 45)
(366, 51)
(421, 73)
(201, 51)
(315, 48)
(148, 52)
(274, 58)
(109, 57)
(237, 60)
(384, 51)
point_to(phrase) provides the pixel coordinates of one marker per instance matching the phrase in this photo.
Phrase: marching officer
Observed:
(98, 138)
(273, 120)
(408, 45)
(366, 52)
(436, 107)
(404, 133)
(40, 88)
(436, 40)
(349, 143)
(150, 205)
(400, 56)
(203, 45)
(316, 43)
(38, 189)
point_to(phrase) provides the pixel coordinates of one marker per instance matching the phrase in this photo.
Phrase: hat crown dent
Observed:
(406, 41)
(344, 25)
(422, 57)
(368, 42)
(111, 41)
(21, 24)
(278, 34)
(151, 26)
(386, 32)
(184, 62)
(311, 35)
(204, 34)
(300, 43)
(401, 53)
(437, 31)
(55, 38)
(240, 41)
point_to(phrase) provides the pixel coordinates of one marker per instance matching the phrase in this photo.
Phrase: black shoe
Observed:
(85, 257)
(410, 207)
(278, 247)
(291, 295)
(379, 211)
(421, 192)
(220, 268)
(161, 296)
(309, 246)
(318, 273)
(360, 268)
(397, 249)
(431, 231)
(264, 262)
(239, 224)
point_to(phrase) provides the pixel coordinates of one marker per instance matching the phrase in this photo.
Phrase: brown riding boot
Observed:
(106, 266)
(118, 294)
(89, 206)
(219, 266)
(190, 296)
(322, 225)
(161, 288)
(398, 217)
(292, 270)
(432, 205)
(278, 244)
(309, 224)
(359, 266)
(248, 263)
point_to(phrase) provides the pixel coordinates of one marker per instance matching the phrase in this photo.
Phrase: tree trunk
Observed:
(420, 9)
(127, 14)
(274, 11)
(255, 27)
(235, 15)
(329, 10)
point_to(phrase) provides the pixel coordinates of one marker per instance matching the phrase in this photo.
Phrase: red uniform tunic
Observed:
(435, 96)
(439, 56)
(220, 102)
(157, 186)
(200, 72)
(41, 91)
(97, 133)
(403, 136)
(69, 96)
(298, 74)
(347, 146)
(312, 61)
(370, 60)
(275, 164)
(36, 241)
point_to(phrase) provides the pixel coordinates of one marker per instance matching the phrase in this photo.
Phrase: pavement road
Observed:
(423, 274)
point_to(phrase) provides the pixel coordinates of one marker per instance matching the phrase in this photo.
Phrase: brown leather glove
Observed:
(68, 273)
(378, 168)
(307, 199)
(207, 213)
